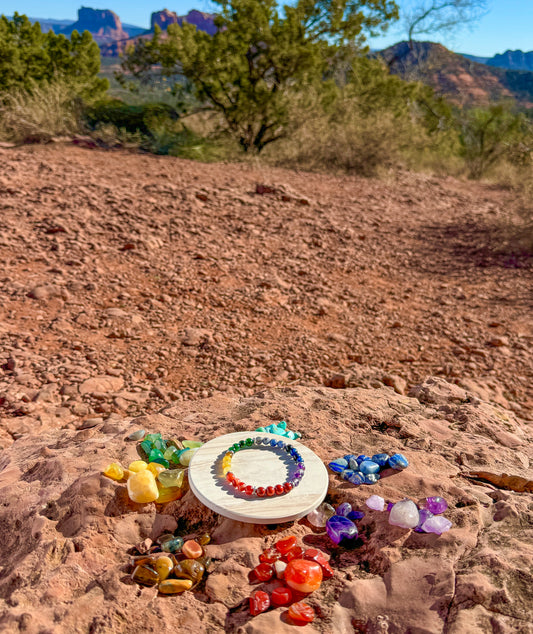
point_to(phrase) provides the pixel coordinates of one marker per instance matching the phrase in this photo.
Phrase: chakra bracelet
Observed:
(269, 491)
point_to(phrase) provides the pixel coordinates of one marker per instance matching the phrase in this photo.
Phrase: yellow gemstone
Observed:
(156, 468)
(171, 477)
(163, 566)
(226, 469)
(174, 586)
(142, 487)
(137, 465)
(186, 457)
(228, 456)
(114, 471)
(168, 494)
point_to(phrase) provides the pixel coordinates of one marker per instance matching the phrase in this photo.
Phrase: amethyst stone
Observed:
(339, 528)
(436, 505)
(437, 525)
(355, 515)
(343, 509)
(424, 515)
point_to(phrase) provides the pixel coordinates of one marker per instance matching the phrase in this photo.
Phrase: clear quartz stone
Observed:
(404, 514)
(321, 515)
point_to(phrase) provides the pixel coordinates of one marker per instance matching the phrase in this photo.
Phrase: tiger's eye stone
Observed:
(303, 575)
(142, 487)
(204, 539)
(163, 567)
(189, 569)
(114, 471)
(192, 549)
(175, 586)
(145, 575)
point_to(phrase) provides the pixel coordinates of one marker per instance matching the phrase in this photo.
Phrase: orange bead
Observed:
(192, 549)
(303, 576)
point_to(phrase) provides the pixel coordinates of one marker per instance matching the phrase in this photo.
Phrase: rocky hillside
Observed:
(460, 79)
(514, 60)
(104, 26)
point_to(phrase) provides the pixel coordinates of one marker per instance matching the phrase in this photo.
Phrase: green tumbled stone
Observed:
(282, 424)
(260, 429)
(171, 478)
(156, 456)
(161, 445)
(147, 446)
(173, 545)
(169, 453)
(153, 437)
(192, 444)
(137, 435)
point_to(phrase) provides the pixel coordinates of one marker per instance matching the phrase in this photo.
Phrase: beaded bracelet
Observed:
(269, 491)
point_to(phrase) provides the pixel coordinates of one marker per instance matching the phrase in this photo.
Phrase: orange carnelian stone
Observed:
(259, 602)
(301, 613)
(269, 556)
(264, 572)
(192, 549)
(303, 576)
(296, 552)
(281, 596)
(284, 545)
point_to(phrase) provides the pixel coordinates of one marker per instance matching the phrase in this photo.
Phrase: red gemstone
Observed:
(271, 491)
(313, 554)
(261, 492)
(264, 572)
(284, 545)
(281, 596)
(240, 485)
(230, 477)
(294, 553)
(279, 489)
(287, 487)
(269, 556)
(259, 602)
(249, 490)
(301, 613)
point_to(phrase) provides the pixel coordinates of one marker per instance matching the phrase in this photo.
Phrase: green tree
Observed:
(29, 57)
(260, 56)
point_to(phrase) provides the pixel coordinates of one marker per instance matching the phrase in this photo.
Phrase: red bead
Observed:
(261, 492)
(230, 477)
(313, 554)
(281, 596)
(301, 613)
(294, 553)
(240, 485)
(271, 491)
(279, 489)
(259, 602)
(269, 556)
(284, 545)
(249, 490)
(264, 572)
(287, 487)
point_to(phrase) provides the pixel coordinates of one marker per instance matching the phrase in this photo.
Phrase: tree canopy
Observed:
(28, 57)
(260, 55)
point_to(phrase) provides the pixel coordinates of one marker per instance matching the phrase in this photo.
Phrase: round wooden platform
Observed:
(258, 466)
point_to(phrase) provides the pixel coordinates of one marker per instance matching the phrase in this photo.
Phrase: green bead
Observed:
(248, 442)
(241, 443)
(192, 444)
(168, 453)
(156, 456)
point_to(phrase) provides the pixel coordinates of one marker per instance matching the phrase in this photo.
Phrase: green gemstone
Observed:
(156, 456)
(168, 453)
(260, 429)
(147, 446)
(172, 477)
(173, 545)
(282, 424)
(192, 444)
(153, 437)
(248, 442)
(161, 445)
(241, 443)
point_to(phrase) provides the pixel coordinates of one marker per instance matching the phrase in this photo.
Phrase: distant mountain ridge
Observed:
(462, 80)
(513, 60)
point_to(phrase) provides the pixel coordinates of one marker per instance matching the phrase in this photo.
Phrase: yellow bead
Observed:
(174, 586)
(142, 487)
(137, 465)
(228, 456)
(163, 566)
(156, 468)
(226, 469)
(114, 471)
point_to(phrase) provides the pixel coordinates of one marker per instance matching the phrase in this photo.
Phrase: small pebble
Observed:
(137, 435)
(375, 502)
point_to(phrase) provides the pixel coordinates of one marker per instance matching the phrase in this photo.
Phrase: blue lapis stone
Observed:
(371, 478)
(350, 456)
(398, 461)
(362, 458)
(357, 478)
(347, 474)
(355, 515)
(338, 466)
(367, 466)
(381, 459)
(354, 464)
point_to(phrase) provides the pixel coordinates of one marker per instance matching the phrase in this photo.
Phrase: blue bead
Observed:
(294, 451)
(357, 478)
(347, 474)
(367, 466)
(338, 465)
(281, 444)
(361, 458)
(266, 441)
(381, 459)
(273, 443)
(398, 461)
(355, 515)
(371, 478)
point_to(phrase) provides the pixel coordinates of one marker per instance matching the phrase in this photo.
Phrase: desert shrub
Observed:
(141, 118)
(37, 115)
(29, 57)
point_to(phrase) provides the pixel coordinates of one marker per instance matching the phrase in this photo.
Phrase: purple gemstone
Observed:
(389, 506)
(343, 509)
(356, 515)
(301, 466)
(436, 505)
(437, 525)
(339, 528)
(299, 474)
(424, 515)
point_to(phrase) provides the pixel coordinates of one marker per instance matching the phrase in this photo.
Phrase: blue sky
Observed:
(508, 25)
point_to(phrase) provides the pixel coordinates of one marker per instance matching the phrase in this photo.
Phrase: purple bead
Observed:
(356, 515)
(424, 515)
(339, 528)
(437, 525)
(301, 466)
(343, 509)
(436, 505)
